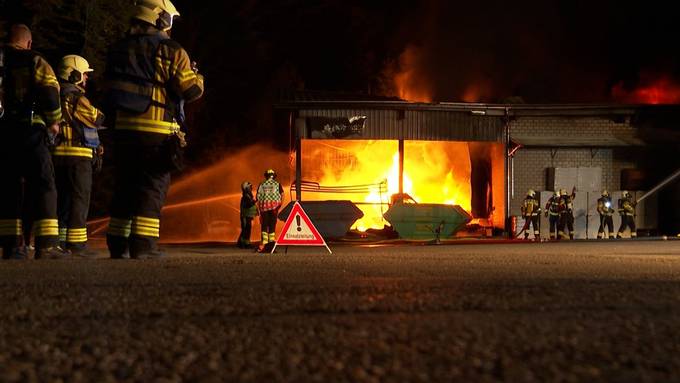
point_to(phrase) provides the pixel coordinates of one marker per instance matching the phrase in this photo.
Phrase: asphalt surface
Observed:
(564, 312)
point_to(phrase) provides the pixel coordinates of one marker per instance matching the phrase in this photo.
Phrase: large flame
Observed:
(434, 172)
(652, 90)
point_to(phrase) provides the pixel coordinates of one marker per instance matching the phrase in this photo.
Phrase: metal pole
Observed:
(661, 185)
(298, 162)
(401, 168)
(508, 180)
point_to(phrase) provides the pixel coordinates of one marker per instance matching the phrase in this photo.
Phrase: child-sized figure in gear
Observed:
(248, 212)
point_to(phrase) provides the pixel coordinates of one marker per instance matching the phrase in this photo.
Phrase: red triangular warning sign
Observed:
(299, 230)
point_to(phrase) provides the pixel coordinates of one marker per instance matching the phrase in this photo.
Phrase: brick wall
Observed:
(530, 163)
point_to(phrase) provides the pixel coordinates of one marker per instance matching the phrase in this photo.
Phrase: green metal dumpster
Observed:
(423, 220)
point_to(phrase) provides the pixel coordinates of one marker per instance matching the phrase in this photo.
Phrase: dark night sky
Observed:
(543, 51)
(487, 51)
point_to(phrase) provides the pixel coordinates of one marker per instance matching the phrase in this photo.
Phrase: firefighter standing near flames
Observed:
(566, 209)
(73, 156)
(553, 213)
(269, 200)
(248, 213)
(605, 209)
(627, 212)
(32, 111)
(531, 212)
(149, 77)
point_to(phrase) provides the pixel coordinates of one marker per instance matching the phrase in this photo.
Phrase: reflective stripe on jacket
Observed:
(148, 75)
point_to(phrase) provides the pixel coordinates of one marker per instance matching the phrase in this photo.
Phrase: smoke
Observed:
(535, 51)
(204, 206)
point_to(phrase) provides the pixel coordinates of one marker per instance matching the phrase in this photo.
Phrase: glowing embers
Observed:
(434, 172)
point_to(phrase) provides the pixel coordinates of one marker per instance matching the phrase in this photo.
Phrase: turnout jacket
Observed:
(79, 114)
(149, 76)
(31, 90)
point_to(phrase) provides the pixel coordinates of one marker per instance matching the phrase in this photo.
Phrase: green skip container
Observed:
(422, 220)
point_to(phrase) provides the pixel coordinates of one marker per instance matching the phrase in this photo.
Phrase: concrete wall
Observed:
(530, 164)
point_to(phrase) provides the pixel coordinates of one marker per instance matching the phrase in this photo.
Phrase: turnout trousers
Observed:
(27, 176)
(627, 221)
(566, 222)
(268, 224)
(606, 221)
(74, 186)
(246, 230)
(141, 185)
(554, 223)
(532, 221)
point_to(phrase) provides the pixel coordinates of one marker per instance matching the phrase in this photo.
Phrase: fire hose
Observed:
(660, 185)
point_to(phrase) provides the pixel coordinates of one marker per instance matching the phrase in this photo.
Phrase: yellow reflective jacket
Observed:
(78, 111)
(31, 90)
(174, 82)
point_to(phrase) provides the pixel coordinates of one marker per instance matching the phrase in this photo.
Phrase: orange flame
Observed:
(409, 84)
(434, 172)
(659, 90)
(477, 92)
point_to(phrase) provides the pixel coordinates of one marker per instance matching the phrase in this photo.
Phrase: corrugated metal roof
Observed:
(424, 125)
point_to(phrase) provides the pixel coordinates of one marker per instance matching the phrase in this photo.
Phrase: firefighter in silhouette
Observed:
(29, 124)
(627, 212)
(605, 209)
(248, 213)
(73, 156)
(553, 213)
(269, 200)
(531, 212)
(566, 209)
(149, 77)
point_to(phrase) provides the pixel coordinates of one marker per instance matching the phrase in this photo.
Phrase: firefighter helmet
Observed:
(72, 68)
(625, 194)
(270, 173)
(158, 13)
(605, 193)
(563, 191)
(246, 186)
(531, 193)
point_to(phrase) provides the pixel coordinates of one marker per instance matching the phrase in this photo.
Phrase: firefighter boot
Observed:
(151, 254)
(571, 236)
(80, 250)
(15, 253)
(54, 252)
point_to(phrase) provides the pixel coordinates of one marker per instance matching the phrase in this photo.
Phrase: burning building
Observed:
(459, 162)
(479, 157)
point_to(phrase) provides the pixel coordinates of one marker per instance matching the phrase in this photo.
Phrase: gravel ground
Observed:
(521, 313)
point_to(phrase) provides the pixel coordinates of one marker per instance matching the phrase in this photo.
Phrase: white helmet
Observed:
(72, 67)
(531, 193)
(158, 13)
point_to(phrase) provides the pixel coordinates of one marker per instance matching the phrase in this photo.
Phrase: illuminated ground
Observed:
(547, 312)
